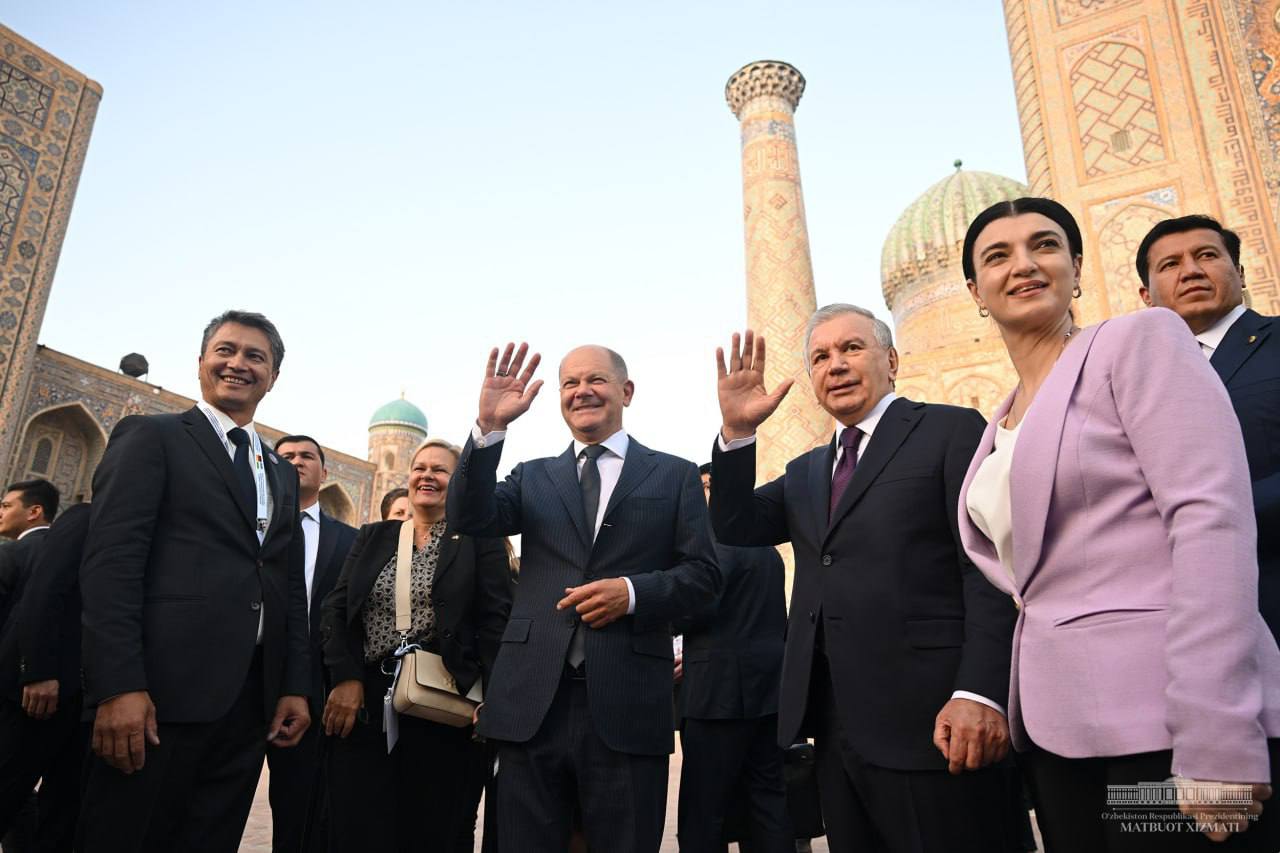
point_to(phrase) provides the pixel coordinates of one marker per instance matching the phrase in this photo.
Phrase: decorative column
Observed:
(780, 298)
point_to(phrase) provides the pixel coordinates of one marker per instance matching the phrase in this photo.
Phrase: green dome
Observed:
(929, 233)
(399, 413)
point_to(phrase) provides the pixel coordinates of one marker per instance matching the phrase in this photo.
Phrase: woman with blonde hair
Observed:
(423, 793)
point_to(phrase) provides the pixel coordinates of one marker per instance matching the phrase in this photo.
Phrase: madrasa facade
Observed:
(1131, 111)
(56, 410)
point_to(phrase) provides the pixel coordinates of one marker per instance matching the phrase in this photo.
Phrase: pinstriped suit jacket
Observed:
(655, 532)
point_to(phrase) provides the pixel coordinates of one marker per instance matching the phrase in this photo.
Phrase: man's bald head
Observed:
(619, 365)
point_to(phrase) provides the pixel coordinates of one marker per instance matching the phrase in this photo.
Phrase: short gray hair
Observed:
(884, 335)
(253, 320)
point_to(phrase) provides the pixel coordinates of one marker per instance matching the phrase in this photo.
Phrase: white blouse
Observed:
(988, 499)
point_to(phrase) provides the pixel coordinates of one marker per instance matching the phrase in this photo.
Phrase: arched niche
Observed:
(62, 444)
(335, 501)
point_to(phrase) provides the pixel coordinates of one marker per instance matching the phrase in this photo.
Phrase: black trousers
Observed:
(420, 797)
(193, 793)
(732, 768)
(295, 804)
(623, 797)
(51, 751)
(1070, 796)
(871, 808)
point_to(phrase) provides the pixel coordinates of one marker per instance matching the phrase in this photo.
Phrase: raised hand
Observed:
(744, 401)
(507, 392)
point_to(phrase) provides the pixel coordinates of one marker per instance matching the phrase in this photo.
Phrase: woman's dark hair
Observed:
(1004, 209)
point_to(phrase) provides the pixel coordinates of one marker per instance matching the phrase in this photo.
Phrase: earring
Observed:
(983, 312)
(1076, 291)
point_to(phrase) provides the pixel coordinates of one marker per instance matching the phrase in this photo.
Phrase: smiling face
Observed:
(236, 370)
(850, 370)
(592, 394)
(305, 458)
(1024, 272)
(1192, 273)
(429, 475)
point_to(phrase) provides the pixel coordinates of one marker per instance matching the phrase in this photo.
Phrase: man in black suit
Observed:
(728, 707)
(26, 510)
(40, 660)
(897, 653)
(1192, 265)
(615, 547)
(295, 773)
(194, 610)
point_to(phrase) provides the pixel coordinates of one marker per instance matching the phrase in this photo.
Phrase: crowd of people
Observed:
(1068, 606)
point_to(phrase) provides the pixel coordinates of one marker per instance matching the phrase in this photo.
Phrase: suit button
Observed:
(256, 605)
(448, 635)
(259, 564)
(812, 617)
(826, 559)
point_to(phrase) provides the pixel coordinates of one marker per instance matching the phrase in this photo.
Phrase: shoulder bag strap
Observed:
(404, 561)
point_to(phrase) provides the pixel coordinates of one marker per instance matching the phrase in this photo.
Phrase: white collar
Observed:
(32, 530)
(1212, 336)
(616, 444)
(224, 420)
(312, 512)
(868, 424)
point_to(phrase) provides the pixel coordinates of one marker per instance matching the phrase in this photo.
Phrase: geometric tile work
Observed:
(1115, 110)
(13, 189)
(1070, 11)
(23, 95)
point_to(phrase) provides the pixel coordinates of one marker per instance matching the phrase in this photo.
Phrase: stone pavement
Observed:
(257, 836)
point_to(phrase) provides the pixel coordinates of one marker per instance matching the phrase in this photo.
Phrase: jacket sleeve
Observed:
(49, 595)
(989, 614)
(1185, 435)
(297, 669)
(693, 580)
(128, 488)
(492, 599)
(740, 513)
(343, 648)
(477, 504)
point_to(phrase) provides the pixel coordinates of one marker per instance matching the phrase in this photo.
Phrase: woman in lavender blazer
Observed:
(1110, 498)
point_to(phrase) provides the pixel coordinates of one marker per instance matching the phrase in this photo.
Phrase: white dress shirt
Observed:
(867, 426)
(1211, 338)
(32, 530)
(311, 532)
(609, 464)
(224, 420)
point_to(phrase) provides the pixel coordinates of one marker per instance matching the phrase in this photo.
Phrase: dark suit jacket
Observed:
(335, 542)
(174, 578)
(17, 559)
(906, 618)
(654, 531)
(733, 650)
(1248, 360)
(471, 594)
(48, 619)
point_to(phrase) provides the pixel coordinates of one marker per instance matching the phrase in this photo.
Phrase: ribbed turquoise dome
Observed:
(400, 413)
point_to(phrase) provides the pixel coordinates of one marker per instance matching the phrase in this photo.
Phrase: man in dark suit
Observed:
(615, 547)
(26, 510)
(194, 610)
(1191, 265)
(295, 773)
(728, 707)
(43, 738)
(897, 653)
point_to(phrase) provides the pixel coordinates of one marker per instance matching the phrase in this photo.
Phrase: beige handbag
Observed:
(424, 687)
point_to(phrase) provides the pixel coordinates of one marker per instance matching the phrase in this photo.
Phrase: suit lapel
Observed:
(320, 572)
(271, 463)
(897, 422)
(373, 559)
(821, 462)
(635, 468)
(1242, 340)
(199, 428)
(1035, 456)
(563, 471)
(450, 543)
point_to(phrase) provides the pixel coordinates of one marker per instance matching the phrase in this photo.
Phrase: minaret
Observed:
(780, 298)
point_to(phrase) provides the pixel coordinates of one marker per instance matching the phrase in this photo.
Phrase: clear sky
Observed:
(401, 185)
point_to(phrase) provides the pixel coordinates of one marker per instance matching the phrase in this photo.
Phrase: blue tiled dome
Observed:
(399, 413)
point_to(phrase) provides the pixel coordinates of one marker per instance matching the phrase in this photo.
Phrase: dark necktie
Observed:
(589, 482)
(244, 473)
(849, 441)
